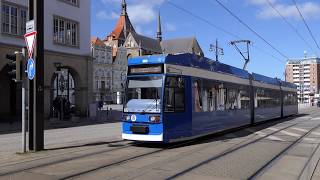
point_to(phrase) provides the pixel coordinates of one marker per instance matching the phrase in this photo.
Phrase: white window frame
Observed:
(72, 2)
(66, 32)
(20, 22)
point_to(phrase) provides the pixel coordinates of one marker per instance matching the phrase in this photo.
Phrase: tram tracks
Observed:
(234, 149)
(276, 158)
(229, 150)
(59, 160)
(131, 158)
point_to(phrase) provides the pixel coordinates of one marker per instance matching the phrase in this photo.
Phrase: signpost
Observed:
(30, 39)
(31, 69)
(30, 42)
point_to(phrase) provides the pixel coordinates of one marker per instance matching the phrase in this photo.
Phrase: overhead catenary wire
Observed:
(252, 30)
(306, 24)
(203, 19)
(291, 26)
(219, 28)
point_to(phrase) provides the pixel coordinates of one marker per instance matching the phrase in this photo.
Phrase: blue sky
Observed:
(256, 13)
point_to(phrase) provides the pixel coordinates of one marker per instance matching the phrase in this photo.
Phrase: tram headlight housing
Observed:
(126, 117)
(154, 119)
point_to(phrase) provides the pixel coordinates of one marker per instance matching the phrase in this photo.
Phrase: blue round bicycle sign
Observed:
(31, 69)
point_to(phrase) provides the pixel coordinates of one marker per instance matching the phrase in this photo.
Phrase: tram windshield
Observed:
(143, 94)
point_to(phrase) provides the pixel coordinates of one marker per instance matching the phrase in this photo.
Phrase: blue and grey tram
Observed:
(171, 98)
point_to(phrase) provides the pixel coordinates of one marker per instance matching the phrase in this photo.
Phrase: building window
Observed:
(65, 32)
(23, 21)
(72, 2)
(13, 19)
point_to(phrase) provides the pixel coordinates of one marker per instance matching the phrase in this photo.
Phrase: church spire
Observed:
(124, 8)
(159, 31)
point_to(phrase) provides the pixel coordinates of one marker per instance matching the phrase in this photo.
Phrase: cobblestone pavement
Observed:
(282, 149)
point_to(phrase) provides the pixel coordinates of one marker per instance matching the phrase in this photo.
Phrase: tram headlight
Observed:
(126, 118)
(154, 119)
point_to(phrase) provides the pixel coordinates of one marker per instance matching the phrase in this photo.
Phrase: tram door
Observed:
(63, 94)
(176, 112)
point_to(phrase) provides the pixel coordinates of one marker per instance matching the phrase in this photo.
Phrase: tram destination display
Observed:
(151, 69)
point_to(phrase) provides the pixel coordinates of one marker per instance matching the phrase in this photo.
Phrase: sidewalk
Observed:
(54, 123)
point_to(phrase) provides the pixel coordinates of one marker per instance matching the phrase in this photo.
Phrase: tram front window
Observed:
(143, 94)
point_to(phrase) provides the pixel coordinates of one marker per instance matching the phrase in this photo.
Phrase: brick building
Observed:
(305, 73)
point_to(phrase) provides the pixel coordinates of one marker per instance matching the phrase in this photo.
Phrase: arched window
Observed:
(64, 86)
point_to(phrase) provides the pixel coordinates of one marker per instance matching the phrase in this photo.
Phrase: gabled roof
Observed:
(183, 45)
(147, 43)
(97, 41)
(122, 25)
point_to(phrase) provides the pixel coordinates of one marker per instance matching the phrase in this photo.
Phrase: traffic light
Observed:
(14, 65)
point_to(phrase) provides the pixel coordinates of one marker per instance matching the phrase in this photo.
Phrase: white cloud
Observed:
(140, 11)
(310, 10)
(103, 15)
(141, 14)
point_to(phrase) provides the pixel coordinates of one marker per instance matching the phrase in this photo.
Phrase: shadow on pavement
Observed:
(220, 136)
(110, 143)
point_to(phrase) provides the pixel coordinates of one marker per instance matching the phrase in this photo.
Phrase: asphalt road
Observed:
(286, 149)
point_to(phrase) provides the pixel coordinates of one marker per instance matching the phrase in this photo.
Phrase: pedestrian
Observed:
(100, 104)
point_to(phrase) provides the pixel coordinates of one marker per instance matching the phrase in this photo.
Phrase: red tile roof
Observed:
(96, 41)
(123, 22)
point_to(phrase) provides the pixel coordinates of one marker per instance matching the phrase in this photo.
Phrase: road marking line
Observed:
(314, 119)
(309, 139)
(299, 129)
(290, 133)
(261, 134)
(273, 129)
(286, 132)
(307, 117)
(316, 133)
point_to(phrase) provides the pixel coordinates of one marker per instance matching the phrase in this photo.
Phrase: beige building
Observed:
(305, 73)
(67, 56)
(102, 70)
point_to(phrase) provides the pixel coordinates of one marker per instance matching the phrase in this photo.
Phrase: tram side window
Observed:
(232, 99)
(267, 98)
(244, 99)
(289, 98)
(197, 96)
(174, 94)
(215, 96)
(209, 96)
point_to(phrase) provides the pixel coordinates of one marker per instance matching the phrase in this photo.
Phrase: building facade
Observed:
(67, 55)
(305, 73)
(13, 17)
(126, 42)
(102, 70)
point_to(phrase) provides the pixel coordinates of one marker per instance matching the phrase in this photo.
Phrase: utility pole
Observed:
(30, 91)
(38, 106)
(218, 51)
(244, 54)
(36, 86)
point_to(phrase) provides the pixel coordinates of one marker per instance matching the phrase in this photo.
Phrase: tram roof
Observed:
(288, 84)
(189, 60)
(195, 61)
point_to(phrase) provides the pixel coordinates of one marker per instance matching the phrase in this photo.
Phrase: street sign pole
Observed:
(23, 118)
